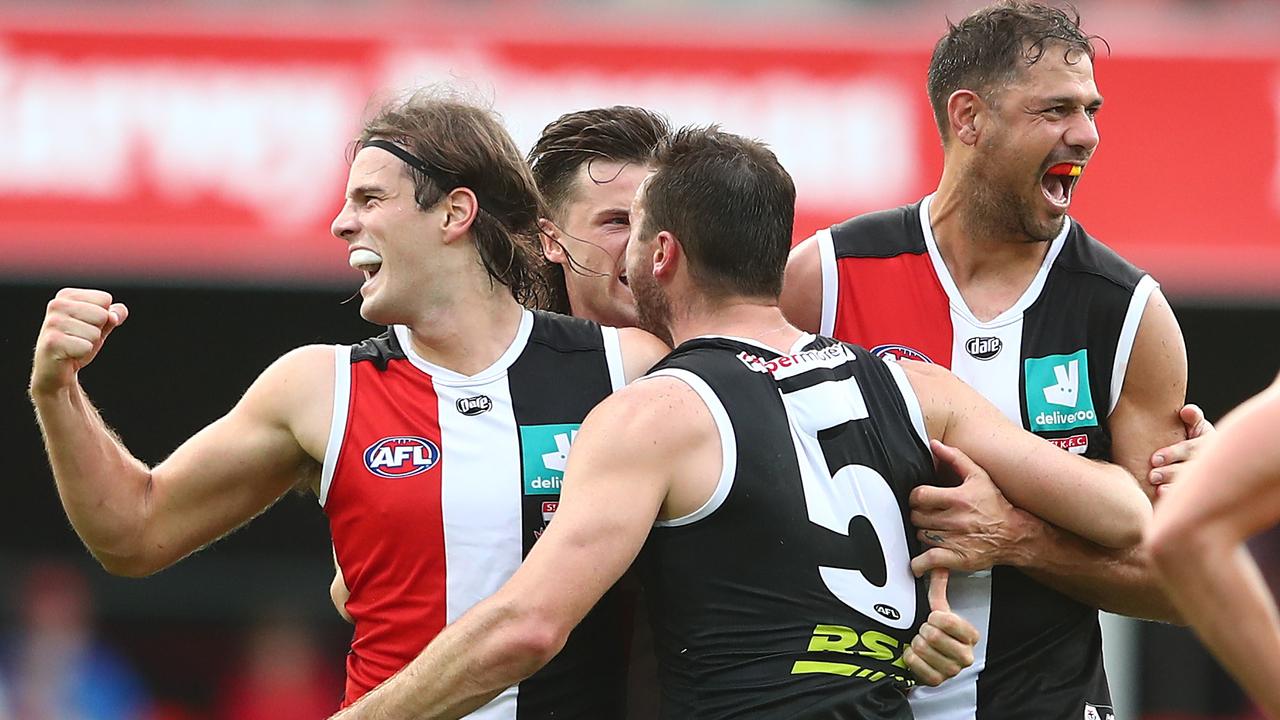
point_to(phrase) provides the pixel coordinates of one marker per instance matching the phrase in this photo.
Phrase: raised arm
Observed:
(134, 519)
(1098, 501)
(1228, 494)
(615, 486)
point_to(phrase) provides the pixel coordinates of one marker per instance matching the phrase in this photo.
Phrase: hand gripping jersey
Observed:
(437, 484)
(1054, 363)
(789, 593)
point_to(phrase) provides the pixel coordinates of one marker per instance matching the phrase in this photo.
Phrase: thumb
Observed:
(118, 313)
(938, 589)
(962, 465)
(1197, 425)
(931, 559)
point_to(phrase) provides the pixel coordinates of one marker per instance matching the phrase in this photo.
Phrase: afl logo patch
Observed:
(984, 348)
(888, 611)
(474, 405)
(400, 457)
(899, 352)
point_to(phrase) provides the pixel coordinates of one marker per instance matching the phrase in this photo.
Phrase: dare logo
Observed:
(401, 456)
(984, 348)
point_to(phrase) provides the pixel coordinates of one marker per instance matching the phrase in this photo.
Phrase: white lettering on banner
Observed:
(266, 137)
(849, 141)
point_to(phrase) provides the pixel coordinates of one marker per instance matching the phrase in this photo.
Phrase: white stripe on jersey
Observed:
(337, 421)
(480, 487)
(996, 379)
(613, 356)
(957, 698)
(830, 281)
(912, 400)
(728, 446)
(480, 493)
(1129, 331)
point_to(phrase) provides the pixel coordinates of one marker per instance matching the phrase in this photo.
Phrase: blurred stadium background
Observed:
(188, 156)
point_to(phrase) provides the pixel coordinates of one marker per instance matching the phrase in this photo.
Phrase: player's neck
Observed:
(469, 333)
(749, 318)
(991, 266)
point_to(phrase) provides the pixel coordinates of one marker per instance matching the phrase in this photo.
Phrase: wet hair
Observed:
(729, 203)
(989, 49)
(621, 133)
(459, 144)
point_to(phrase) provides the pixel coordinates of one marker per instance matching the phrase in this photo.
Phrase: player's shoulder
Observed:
(642, 347)
(295, 378)
(880, 234)
(655, 406)
(307, 358)
(1083, 254)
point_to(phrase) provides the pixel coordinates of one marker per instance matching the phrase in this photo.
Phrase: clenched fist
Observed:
(75, 325)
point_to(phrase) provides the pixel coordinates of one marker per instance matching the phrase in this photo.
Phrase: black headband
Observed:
(439, 177)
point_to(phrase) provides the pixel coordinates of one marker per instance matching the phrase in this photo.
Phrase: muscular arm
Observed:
(1231, 492)
(135, 519)
(1145, 419)
(615, 486)
(1100, 502)
(801, 299)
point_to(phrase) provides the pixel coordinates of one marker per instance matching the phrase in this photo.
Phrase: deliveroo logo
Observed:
(1058, 396)
(544, 452)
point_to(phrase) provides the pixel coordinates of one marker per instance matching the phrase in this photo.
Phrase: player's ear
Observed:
(549, 236)
(964, 108)
(460, 209)
(666, 254)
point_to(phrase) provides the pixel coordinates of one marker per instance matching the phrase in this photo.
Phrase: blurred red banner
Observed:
(180, 150)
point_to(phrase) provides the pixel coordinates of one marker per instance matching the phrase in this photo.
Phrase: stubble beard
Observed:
(996, 207)
(653, 308)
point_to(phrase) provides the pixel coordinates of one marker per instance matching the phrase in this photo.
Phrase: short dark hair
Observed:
(467, 146)
(621, 133)
(990, 47)
(731, 205)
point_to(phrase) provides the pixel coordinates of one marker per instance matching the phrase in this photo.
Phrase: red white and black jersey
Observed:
(1055, 363)
(789, 593)
(437, 484)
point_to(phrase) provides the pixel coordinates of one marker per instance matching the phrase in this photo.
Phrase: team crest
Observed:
(900, 352)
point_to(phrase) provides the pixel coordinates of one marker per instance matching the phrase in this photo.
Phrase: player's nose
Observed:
(1082, 133)
(345, 225)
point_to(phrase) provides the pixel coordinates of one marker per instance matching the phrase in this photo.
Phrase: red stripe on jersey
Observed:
(384, 509)
(893, 301)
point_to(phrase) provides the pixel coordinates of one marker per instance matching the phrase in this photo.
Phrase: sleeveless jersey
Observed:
(1055, 364)
(789, 593)
(437, 484)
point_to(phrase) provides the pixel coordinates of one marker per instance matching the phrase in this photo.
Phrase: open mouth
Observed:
(366, 261)
(1057, 183)
(622, 278)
